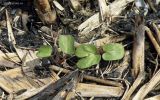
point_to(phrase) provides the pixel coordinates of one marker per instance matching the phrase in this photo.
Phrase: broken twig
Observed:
(102, 81)
(153, 40)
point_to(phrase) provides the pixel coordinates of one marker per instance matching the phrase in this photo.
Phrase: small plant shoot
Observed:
(88, 61)
(88, 53)
(66, 44)
(85, 49)
(44, 51)
(113, 51)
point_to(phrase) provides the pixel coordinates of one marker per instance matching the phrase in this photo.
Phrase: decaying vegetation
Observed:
(40, 39)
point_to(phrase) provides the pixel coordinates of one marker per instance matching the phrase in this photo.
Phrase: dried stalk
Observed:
(146, 88)
(152, 5)
(89, 90)
(94, 21)
(75, 4)
(136, 83)
(44, 11)
(153, 40)
(157, 31)
(104, 9)
(138, 51)
(138, 59)
(157, 97)
(10, 32)
(91, 78)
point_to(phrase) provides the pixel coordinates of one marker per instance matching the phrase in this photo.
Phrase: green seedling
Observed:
(66, 44)
(113, 51)
(88, 55)
(44, 51)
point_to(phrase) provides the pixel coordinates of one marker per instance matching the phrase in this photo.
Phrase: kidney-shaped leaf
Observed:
(85, 49)
(44, 51)
(113, 51)
(66, 44)
(88, 61)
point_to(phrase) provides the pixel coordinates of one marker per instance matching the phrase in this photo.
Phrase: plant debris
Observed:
(79, 49)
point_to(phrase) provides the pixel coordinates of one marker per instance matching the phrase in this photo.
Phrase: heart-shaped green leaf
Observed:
(66, 44)
(44, 51)
(88, 61)
(85, 49)
(113, 51)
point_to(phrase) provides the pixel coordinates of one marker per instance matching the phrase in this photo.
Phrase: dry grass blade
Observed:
(146, 88)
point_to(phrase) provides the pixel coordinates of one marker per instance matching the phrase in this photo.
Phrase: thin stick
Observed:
(153, 40)
(91, 78)
(157, 31)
